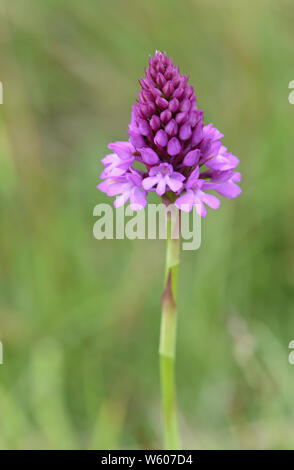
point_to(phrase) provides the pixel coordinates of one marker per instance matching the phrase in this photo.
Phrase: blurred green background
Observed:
(79, 318)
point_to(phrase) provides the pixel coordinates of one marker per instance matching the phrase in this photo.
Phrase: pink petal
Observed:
(193, 178)
(229, 190)
(110, 158)
(185, 202)
(211, 200)
(174, 183)
(110, 172)
(137, 200)
(116, 188)
(200, 207)
(104, 186)
(136, 139)
(144, 127)
(121, 200)
(149, 182)
(236, 177)
(161, 187)
(122, 149)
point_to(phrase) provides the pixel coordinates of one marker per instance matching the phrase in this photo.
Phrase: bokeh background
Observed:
(80, 317)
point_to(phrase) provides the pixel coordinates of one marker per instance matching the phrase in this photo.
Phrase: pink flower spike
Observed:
(167, 134)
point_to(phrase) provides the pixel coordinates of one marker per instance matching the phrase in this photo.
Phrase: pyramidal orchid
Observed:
(185, 163)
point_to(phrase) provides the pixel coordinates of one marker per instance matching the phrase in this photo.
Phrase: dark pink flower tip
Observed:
(178, 93)
(166, 95)
(161, 138)
(168, 89)
(174, 147)
(185, 131)
(161, 103)
(149, 156)
(155, 123)
(171, 128)
(185, 105)
(181, 118)
(174, 105)
(192, 158)
(165, 116)
(160, 80)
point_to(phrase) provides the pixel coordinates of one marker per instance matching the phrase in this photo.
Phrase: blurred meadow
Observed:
(79, 318)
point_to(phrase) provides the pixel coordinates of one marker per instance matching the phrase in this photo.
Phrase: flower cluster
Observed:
(179, 156)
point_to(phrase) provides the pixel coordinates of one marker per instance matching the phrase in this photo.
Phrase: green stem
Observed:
(168, 337)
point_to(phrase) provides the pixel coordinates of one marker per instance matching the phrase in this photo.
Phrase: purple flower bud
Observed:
(169, 72)
(178, 93)
(160, 80)
(192, 158)
(152, 73)
(155, 92)
(171, 128)
(144, 82)
(193, 106)
(185, 131)
(165, 116)
(193, 118)
(176, 81)
(146, 96)
(161, 138)
(151, 108)
(189, 91)
(174, 147)
(181, 118)
(155, 122)
(145, 110)
(197, 134)
(168, 89)
(149, 156)
(160, 67)
(185, 105)
(183, 81)
(174, 105)
(162, 103)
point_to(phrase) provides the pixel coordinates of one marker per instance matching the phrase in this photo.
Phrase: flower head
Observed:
(168, 137)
